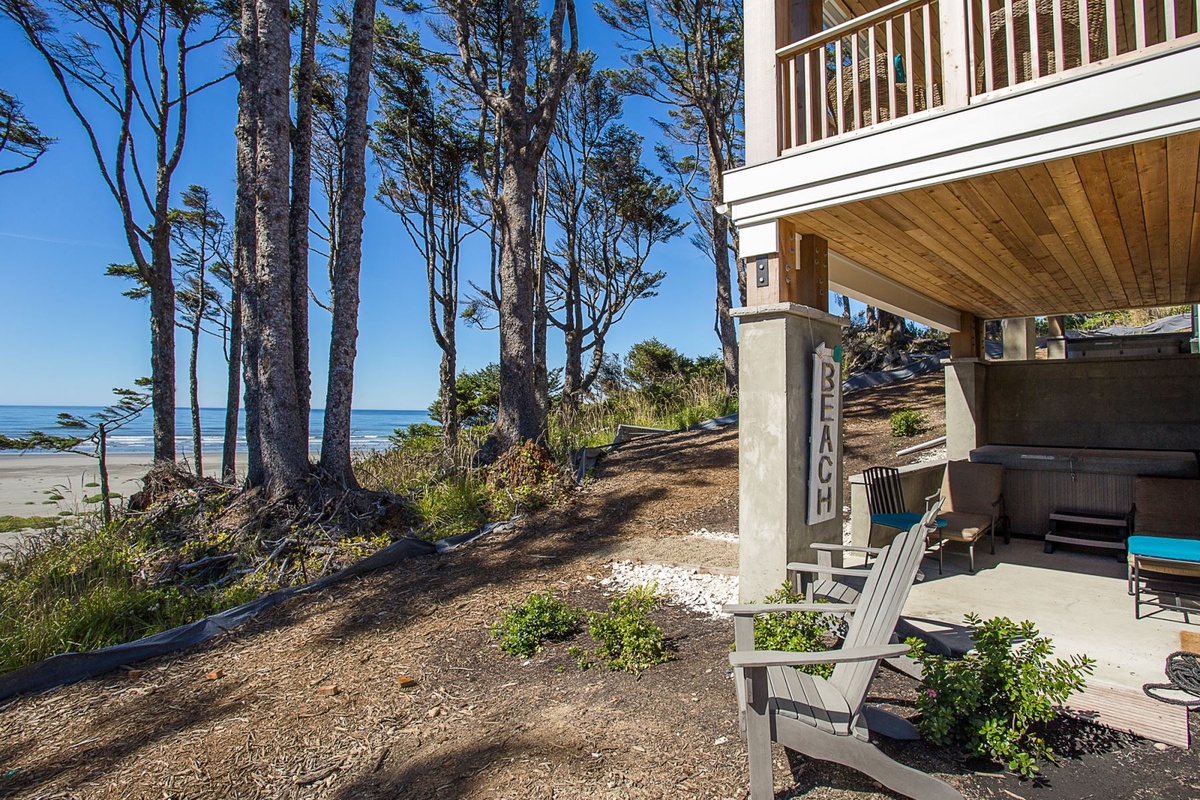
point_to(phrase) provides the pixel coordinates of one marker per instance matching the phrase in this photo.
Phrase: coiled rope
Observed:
(1183, 672)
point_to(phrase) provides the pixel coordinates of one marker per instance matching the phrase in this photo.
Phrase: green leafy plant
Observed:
(538, 618)
(795, 631)
(991, 700)
(627, 639)
(907, 423)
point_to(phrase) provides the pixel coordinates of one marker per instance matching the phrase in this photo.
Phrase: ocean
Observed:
(370, 428)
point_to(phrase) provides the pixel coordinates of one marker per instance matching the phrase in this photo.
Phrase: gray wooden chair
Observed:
(839, 586)
(829, 719)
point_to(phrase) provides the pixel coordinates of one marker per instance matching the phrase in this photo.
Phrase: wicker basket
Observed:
(1072, 53)
(884, 73)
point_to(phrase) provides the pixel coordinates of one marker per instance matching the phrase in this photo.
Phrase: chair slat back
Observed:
(879, 605)
(884, 493)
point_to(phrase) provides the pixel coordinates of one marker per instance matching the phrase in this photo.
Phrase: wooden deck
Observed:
(1133, 712)
(1113, 229)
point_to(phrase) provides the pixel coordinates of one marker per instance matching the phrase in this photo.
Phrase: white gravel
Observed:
(932, 454)
(716, 536)
(698, 592)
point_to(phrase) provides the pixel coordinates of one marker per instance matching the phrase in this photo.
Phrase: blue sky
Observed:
(67, 336)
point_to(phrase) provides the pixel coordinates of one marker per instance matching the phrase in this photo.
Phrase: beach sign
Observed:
(825, 430)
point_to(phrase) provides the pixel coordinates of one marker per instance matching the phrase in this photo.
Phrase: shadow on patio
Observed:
(1079, 600)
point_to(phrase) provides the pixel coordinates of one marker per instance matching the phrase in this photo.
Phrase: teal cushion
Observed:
(902, 521)
(1162, 547)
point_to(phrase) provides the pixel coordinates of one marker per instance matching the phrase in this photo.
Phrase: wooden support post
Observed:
(812, 273)
(770, 278)
(797, 272)
(968, 342)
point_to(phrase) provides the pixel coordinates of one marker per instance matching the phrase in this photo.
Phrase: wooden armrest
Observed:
(749, 610)
(800, 566)
(846, 548)
(782, 658)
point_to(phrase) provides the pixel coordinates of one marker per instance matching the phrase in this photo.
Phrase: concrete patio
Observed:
(1075, 596)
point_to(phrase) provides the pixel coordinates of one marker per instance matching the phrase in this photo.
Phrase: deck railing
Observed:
(916, 57)
(1013, 42)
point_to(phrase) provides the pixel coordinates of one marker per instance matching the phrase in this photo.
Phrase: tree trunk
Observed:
(104, 473)
(162, 341)
(449, 408)
(520, 417)
(283, 433)
(726, 332)
(343, 345)
(448, 337)
(234, 392)
(193, 382)
(244, 255)
(301, 193)
(541, 314)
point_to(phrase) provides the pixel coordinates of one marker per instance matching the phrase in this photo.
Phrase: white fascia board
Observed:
(850, 278)
(1122, 104)
(759, 239)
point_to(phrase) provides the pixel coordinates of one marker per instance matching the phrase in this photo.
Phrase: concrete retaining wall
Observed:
(1150, 403)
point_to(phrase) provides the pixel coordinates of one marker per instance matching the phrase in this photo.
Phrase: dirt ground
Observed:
(254, 714)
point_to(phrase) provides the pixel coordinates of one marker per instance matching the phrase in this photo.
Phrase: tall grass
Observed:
(594, 424)
(454, 494)
(84, 586)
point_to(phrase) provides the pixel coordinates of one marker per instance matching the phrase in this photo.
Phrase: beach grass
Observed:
(8, 524)
(82, 587)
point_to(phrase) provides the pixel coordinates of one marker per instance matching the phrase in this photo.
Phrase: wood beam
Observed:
(771, 277)
(812, 273)
(968, 341)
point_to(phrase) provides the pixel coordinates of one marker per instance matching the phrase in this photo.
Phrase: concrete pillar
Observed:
(1056, 339)
(966, 412)
(777, 343)
(1020, 343)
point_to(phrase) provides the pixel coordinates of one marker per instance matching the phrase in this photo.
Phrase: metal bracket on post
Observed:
(762, 273)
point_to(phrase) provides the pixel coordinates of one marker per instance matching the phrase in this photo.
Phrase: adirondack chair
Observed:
(828, 719)
(841, 586)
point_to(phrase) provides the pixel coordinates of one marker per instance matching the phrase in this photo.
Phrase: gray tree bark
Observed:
(524, 133)
(343, 344)
(283, 433)
(726, 332)
(233, 394)
(244, 255)
(302, 136)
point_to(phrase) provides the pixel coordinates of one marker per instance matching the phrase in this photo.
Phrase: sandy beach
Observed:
(28, 482)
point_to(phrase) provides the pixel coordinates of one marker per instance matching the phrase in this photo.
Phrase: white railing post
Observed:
(956, 72)
(762, 83)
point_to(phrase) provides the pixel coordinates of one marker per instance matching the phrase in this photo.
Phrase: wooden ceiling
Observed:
(1109, 230)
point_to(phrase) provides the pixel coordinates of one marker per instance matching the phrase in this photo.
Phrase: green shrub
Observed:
(538, 618)
(907, 423)
(523, 478)
(795, 631)
(627, 638)
(990, 700)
